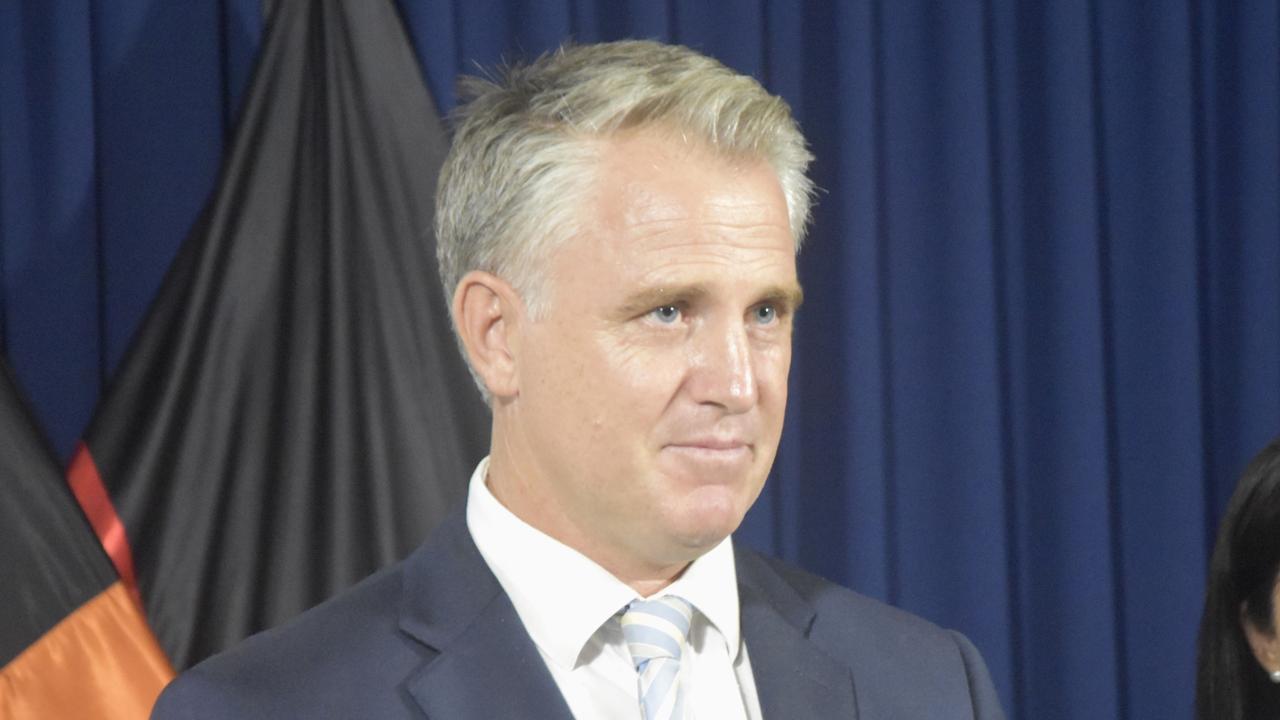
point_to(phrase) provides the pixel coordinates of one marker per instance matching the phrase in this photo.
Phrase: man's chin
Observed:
(707, 524)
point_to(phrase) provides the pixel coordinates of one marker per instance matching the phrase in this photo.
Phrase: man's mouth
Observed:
(713, 442)
(713, 449)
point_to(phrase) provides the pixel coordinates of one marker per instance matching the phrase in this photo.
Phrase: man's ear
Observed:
(1265, 645)
(488, 312)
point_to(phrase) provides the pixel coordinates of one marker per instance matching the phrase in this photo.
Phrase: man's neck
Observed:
(518, 496)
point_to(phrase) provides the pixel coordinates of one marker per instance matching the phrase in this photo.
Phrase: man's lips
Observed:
(712, 446)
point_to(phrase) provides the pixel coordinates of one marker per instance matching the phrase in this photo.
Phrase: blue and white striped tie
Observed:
(656, 631)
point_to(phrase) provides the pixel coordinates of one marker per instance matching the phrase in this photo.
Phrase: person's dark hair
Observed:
(1230, 684)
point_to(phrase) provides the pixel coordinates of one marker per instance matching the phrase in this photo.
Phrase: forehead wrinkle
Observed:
(764, 238)
(641, 205)
(706, 272)
(642, 202)
(654, 226)
(748, 215)
(738, 205)
(739, 249)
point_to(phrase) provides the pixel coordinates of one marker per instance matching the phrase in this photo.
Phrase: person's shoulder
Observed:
(894, 656)
(348, 644)
(834, 603)
(825, 595)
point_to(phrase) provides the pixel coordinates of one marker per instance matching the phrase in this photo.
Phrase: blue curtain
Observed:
(1043, 333)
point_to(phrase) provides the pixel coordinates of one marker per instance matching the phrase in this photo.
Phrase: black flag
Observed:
(293, 413)
(73, 642)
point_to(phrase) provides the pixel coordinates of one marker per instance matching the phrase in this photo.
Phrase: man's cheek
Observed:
(650, 376)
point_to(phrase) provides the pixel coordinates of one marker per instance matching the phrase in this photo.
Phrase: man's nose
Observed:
(723, 371)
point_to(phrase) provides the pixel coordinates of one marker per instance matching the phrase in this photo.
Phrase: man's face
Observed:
(652, 391)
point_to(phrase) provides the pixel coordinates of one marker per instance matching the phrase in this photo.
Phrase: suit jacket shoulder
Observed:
(432, 635)
(898, 665)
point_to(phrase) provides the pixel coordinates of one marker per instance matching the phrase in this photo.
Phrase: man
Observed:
(617, 226)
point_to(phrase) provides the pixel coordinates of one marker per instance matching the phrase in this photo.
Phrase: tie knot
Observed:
(656, 628)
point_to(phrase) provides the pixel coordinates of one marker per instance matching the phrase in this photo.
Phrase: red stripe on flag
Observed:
(86, 485)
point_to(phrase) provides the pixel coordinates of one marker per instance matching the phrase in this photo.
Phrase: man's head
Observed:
(617, 227)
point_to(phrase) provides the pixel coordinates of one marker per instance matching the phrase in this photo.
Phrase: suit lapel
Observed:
(480, 661)
(794, 677)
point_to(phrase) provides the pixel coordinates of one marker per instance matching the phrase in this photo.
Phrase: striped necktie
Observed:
(656, 631)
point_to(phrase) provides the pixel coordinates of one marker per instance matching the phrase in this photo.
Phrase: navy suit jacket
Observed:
(436, 636)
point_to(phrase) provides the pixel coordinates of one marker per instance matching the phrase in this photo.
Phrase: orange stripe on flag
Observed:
(86, 485)
(101, 662)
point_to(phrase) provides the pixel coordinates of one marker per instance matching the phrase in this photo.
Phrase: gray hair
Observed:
(522, 154)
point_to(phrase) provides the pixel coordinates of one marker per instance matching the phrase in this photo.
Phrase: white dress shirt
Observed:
(570, 607)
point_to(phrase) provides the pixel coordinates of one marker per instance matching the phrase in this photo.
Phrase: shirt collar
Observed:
(563, 597)
(710, 584)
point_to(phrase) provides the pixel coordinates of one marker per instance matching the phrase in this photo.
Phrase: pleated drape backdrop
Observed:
(1042, 333)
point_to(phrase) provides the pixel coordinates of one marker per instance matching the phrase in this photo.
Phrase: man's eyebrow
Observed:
(649, 298)
(789, 296)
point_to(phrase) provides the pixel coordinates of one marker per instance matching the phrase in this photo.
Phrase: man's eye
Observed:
(666, 314)
(766, 314)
